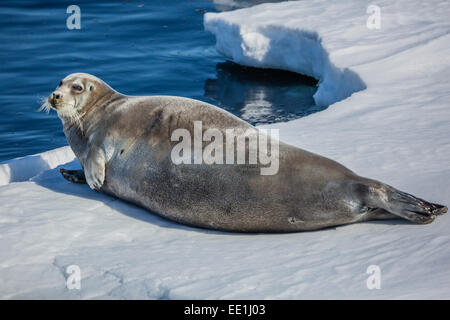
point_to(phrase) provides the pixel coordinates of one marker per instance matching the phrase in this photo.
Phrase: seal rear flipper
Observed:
(379, 214)
(417, 205)
(403, 204)
(75, 176)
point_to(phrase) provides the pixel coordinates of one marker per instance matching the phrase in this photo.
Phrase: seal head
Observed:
(76, 94)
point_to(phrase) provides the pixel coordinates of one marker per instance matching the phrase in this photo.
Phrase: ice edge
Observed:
(25, 168)
(284, 48)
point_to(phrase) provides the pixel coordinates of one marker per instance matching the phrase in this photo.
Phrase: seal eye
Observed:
(77, 87)
(60, 83)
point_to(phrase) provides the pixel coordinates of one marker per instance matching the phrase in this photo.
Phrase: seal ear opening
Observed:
(91, 87)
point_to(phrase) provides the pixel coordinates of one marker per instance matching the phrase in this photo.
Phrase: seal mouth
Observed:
(53, 103)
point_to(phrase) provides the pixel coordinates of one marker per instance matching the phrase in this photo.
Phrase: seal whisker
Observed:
(45, 106)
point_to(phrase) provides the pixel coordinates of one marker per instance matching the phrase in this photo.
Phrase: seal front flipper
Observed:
(75, 176)
(94, 168)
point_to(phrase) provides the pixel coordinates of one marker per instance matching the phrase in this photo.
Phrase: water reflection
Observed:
(261, 95)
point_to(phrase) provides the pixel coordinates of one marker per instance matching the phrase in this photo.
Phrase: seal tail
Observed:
(402, 204)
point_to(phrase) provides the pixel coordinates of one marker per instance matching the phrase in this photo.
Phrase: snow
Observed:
(388, 120)
(21, 169)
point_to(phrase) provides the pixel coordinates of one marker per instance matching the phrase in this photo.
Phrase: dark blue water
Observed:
(139, 48)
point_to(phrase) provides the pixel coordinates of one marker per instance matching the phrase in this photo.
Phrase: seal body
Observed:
(125, 148)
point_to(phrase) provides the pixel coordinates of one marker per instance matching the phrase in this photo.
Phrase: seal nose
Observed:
(56, 95)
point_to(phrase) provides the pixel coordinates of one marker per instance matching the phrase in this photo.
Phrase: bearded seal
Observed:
(124, 146)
